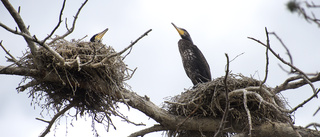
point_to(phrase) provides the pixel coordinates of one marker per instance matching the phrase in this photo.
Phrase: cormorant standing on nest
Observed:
(98, 37)
(194, 63)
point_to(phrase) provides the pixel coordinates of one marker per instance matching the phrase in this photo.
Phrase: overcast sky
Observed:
(216, 27)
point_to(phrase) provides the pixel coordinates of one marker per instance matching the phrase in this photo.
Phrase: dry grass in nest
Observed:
(208, 100)
(88, 88)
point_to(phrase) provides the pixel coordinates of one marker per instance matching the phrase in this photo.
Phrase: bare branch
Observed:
(304, 102)
(267, 58)
(316, 111)
(285, 47)
(21, 25)
(55, 117)
(287, 85)
(245, 101)
(154, 128)
(69, 31)
(57, 26)
(34, 39)
(122, 51)
(304, 76)
(12, 58)
(315, 125)
(18, 71)
(226, 110)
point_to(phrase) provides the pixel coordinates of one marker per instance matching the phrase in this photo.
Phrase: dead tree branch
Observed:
(70, 30)
(295, 6)
(57, 26)
(267, 58)
(122, 51)
(16, 16)
(55, 117)
(295, 69)
(170, 121)
(226, 110)
(12, 58)
(154, 128)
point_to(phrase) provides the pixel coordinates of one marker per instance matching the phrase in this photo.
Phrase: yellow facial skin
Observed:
(101, 34)
(181, 32)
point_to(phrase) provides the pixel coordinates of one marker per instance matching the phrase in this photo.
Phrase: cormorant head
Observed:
(98, 37)
(183, 33)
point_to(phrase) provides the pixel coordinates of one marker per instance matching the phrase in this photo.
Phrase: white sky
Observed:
(216, 27)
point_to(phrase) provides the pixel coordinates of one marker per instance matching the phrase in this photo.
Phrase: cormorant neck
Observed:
(187, 38)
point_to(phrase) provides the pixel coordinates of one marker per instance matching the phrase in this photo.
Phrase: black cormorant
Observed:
(98, 37)
(194, 63)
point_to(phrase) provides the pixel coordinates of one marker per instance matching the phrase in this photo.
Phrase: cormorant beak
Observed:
(101, 34)
(180, 31)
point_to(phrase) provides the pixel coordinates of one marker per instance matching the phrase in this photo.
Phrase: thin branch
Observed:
(304, 102)
(16, 16)
(315, 125)
(285, 47)
(154, 128)
(59, 22)
(34, 39)
(267, 58)
(122, 51)
(293, 85)
(305, 77)
(69, 31)
(55, 117)
(316, 111)
(12, 58)
(247, 111)
(226, 110)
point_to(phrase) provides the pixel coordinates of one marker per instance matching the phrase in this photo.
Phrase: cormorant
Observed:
(98, 37)
(194, 63)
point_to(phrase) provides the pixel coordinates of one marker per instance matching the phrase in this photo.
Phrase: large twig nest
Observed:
(208, 100)
(90, 80)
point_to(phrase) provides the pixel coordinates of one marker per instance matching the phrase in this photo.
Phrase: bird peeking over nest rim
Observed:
(98, 37)
(194, 63)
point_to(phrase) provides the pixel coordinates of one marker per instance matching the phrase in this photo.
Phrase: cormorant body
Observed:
(194, 63)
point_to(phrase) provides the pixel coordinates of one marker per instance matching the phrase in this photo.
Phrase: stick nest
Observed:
(208, 100)
(90, 80)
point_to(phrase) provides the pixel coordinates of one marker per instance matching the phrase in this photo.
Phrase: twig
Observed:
(59, 22)
(69, 31)
(34, 39)
(16, 16)
(247, 111)
(29, 84)
(55, 117)
(237, 57)
(226, 110)
(122, 51)
(286, 85)
(127, 54)
(315, 125)
(316, 111)
(267, 58)
(12, 58)
(154, 128)
(305, 77)
(285, 47)
(46, 121)
(304, 102)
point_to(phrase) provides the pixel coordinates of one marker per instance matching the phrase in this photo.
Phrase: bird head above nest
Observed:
(98, 37)
(183, 33)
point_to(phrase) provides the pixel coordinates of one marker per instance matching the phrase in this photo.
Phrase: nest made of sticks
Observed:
(208, 100)
(91, 83)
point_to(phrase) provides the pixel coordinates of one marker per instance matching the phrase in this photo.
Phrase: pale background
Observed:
(216, 27)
